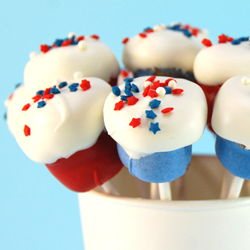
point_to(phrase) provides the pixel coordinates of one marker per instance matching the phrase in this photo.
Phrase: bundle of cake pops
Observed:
(88, 119)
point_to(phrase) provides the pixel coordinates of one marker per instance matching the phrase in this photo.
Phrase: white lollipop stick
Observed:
(165, 191)
(154, 191)
(231, 186)
(109, 188)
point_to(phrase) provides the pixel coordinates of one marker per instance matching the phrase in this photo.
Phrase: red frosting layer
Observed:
(210, 92)
(88, 168)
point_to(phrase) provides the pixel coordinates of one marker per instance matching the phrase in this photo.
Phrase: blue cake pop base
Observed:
(158, 167)
(233, 157)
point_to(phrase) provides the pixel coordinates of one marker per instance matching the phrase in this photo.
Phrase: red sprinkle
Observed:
(125, 40)
(145, 92)
(206, 42)
(168, 80)
(135, 122)
(66, 42)
(155, 85)
(95, 37)
(11, 95)
(151, 79)
(26, 107)
(119, 105)
(36, 98)
(46, 92)
(48, 96)
(152, 93)
(167, 110)
(222, 38)
(44, 48)
(142, 35)
(85, 85)
(124, 73)
(149, 31)
(26, 130)
(177, 91)
(80, 38)
(195, 31)
(132, 100)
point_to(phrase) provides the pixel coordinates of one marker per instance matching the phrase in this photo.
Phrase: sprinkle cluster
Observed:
(225, 39)
(70, 40)
(186, 29)
(152, 88)
(42, 96)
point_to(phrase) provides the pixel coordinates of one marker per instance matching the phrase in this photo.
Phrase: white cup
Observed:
(201, 222)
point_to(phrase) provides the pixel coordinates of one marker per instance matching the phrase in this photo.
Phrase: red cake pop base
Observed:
(88, 168)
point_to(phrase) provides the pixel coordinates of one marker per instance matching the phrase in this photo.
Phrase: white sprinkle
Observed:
(147, 83)
(77, 75)
(32, 55)
(71, 34)
(56, 81)
(159, 27)
(245, 80)
(82, 45)
(161, 91)
(172, 84)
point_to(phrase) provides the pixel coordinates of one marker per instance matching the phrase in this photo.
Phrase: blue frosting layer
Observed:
(233, 157)
(158, 167)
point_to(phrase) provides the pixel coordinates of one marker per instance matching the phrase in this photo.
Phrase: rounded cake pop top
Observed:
(61, 120)
(70, 58)
(217, 63)
(155, 114)
(159, 48)
(231, 114)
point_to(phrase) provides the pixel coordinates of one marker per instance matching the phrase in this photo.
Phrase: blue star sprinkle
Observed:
(62, 85)
(41, 104)
(150, 114)
(154, 104)
(154, 127)
(116, 90)
(168, 90)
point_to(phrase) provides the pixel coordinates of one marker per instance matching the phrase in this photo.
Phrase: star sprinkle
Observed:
(154, 127)
(154, 104)
(85, 85)
(135, 122)
(150, 114)
(132, 100)
(62, 85)
(119, 105)
(41, 104)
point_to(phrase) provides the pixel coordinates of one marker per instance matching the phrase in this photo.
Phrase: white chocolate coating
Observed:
(181, 127)
(231, 113)
(216, 64)
(90, 56)
(69, 122)
(163, 48)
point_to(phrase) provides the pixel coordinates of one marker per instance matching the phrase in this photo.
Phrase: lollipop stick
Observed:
(231, 186)
(165, 191)
(154, 191)
(109, 188)
(234, 191)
